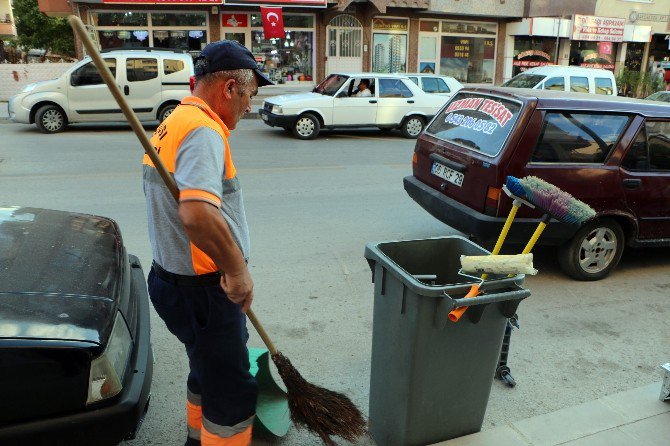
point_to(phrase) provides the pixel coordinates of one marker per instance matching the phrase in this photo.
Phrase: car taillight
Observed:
(415, 159)
(492, 201)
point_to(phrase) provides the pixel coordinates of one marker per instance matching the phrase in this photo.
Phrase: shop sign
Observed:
(459, 50)
(234, 20)
(314, 3)
(598, 29)
(535, 54)
(389, 24)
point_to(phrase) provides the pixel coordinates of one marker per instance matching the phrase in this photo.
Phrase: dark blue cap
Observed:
(228, 55)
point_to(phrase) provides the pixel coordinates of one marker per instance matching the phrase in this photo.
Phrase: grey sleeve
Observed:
(199, 163)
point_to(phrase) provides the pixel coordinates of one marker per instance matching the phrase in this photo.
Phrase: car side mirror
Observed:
(342, 94)
(74, 80)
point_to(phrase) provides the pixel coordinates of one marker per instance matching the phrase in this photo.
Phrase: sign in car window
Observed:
(477, 122)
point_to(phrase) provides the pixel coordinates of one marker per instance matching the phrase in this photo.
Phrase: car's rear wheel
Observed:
(50, 119)
(412, 126)
(306, 127)
(594, 251)
(165, 111)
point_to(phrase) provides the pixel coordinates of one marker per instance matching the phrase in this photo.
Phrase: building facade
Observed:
(461, 38)
(609, 34)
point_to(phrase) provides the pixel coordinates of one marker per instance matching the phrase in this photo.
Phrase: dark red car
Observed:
(611, 152)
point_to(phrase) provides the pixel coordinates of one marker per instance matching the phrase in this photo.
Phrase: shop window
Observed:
(579, 84)
(88, 74)
(120, 18)
(469, 28)
(171, 66)
(237, 37)
(531, 52)
(288, 59)
(428, 47)
(194, 40)
(290, 21)
(389, 53)
(658, 138)
(179, 19)
(593, 54)
(468, 59)
(604, 86)
(393, 88)
(429, 26)
(555, 83)
(124, 39)
(578, 138)
(144, 69)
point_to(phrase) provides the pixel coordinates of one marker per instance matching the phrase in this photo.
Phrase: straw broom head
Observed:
(320, 410)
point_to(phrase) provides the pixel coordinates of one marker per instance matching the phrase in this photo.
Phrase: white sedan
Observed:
(390, 101)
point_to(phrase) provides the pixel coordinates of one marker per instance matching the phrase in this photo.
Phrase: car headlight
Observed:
(108, 369)
(28, 88)
(277, 110)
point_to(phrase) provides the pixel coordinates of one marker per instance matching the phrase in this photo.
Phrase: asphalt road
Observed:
(312, 207)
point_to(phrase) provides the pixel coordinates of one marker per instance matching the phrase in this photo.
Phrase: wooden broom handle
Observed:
(78, 26)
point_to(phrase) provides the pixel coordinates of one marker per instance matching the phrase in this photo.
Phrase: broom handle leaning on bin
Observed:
(107, 76)
(456, 314)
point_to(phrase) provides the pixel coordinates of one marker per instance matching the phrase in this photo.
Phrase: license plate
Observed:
(448, 174)
(264, 117)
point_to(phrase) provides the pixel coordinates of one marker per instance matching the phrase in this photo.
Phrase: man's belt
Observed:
(182, 280)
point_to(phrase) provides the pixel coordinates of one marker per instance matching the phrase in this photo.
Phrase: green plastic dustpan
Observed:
(272, 413)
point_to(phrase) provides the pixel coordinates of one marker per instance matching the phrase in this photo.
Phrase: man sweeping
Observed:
(199, 283)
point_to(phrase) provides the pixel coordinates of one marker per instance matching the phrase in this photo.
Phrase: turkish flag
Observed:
(273, 23)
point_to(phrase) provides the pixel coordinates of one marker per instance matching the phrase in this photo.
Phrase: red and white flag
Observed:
(605, 47)
(273, 23)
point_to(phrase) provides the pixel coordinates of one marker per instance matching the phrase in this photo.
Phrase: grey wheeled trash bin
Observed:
(430, 377)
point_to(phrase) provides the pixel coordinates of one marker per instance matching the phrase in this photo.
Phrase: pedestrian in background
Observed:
(199, 283)
(666, 78)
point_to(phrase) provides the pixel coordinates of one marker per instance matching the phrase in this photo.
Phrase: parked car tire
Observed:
(412, 126)
(165, 111)
(306, 126)
(594, 251)
(50, 119)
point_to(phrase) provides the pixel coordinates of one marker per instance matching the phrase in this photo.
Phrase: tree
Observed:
(36, 30)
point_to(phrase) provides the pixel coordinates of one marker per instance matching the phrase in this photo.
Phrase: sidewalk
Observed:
(636, 417)
(4, 112)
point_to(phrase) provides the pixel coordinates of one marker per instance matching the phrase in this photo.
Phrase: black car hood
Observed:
(59, 274)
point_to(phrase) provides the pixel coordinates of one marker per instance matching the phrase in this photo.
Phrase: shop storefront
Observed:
(463, 50)
(287, 60)
(185, 30)
(595, 41)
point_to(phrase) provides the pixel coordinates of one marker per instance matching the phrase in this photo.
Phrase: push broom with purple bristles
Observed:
(553, 201)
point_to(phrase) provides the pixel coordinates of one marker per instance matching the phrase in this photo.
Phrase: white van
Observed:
(153, 81)
(566, 78)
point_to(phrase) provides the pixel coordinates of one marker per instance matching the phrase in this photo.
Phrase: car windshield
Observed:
(331, 84)
(524, 81)
(476, 122)
(659, 96)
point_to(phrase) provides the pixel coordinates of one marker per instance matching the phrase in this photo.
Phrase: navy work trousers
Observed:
(213, 330)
